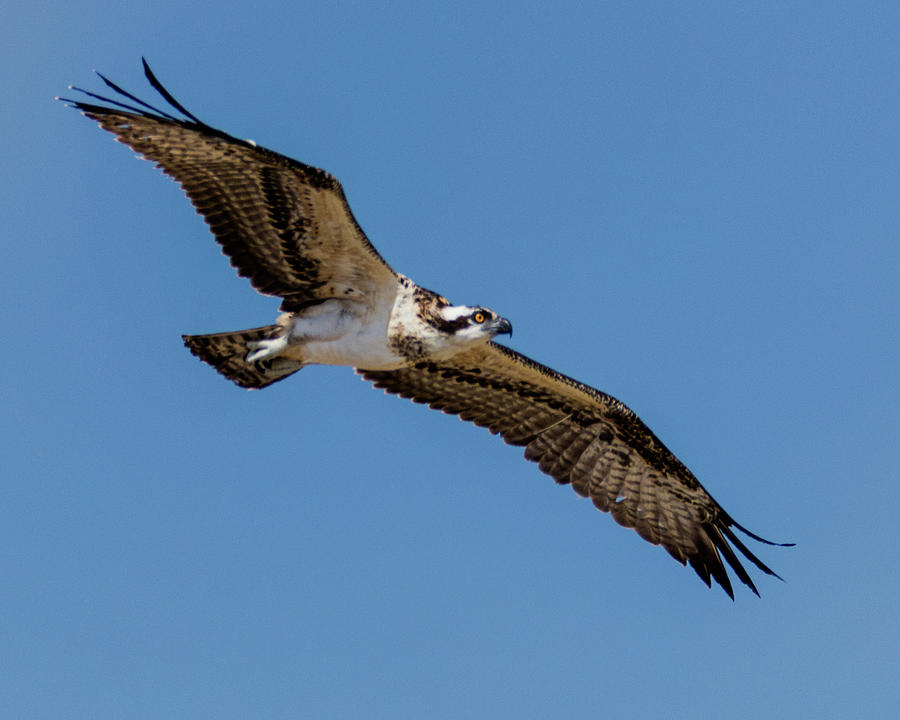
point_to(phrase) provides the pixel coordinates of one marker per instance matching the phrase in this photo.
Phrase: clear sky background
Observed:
(694, 207)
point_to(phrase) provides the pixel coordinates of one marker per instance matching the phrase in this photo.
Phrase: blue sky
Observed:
(693, 208)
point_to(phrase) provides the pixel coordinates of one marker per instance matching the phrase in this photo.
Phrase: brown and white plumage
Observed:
(287, 227)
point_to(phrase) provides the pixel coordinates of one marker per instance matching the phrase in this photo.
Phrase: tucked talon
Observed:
(265, 348)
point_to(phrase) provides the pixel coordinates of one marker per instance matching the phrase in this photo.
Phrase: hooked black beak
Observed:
(502, 326)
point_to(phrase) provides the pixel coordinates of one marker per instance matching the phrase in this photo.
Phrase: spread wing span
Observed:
(583, 437)
(288, 228)
(285, 225)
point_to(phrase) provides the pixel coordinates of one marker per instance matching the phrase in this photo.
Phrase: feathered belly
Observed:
(341, 333)
(356, 350)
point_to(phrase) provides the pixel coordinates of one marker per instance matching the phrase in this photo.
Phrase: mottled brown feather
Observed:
(285, 225)
(227, 351)
(581, 436)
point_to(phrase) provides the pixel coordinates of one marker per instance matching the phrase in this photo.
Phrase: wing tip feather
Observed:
(724, 543)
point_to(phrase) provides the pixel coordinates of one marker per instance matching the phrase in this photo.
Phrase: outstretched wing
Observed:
(588, 439)
(285, 225)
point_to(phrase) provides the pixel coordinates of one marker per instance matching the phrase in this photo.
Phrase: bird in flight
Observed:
(287, 227)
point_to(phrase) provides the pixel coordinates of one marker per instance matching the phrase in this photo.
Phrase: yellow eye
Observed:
(478, 316)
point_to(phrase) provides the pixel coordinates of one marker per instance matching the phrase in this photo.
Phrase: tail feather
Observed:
(227, 351)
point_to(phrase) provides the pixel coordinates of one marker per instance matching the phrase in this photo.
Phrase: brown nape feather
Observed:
(226, 352)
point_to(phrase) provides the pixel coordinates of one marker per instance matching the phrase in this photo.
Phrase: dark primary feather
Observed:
(583, 437)
(286, 225)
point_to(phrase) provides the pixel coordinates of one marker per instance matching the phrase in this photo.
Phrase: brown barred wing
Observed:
(583, 437)
(285, 225)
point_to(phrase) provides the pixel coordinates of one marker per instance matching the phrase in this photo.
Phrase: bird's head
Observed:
(429, 325)
(468, 324)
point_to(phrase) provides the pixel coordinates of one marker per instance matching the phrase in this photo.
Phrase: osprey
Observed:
(287, 227)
